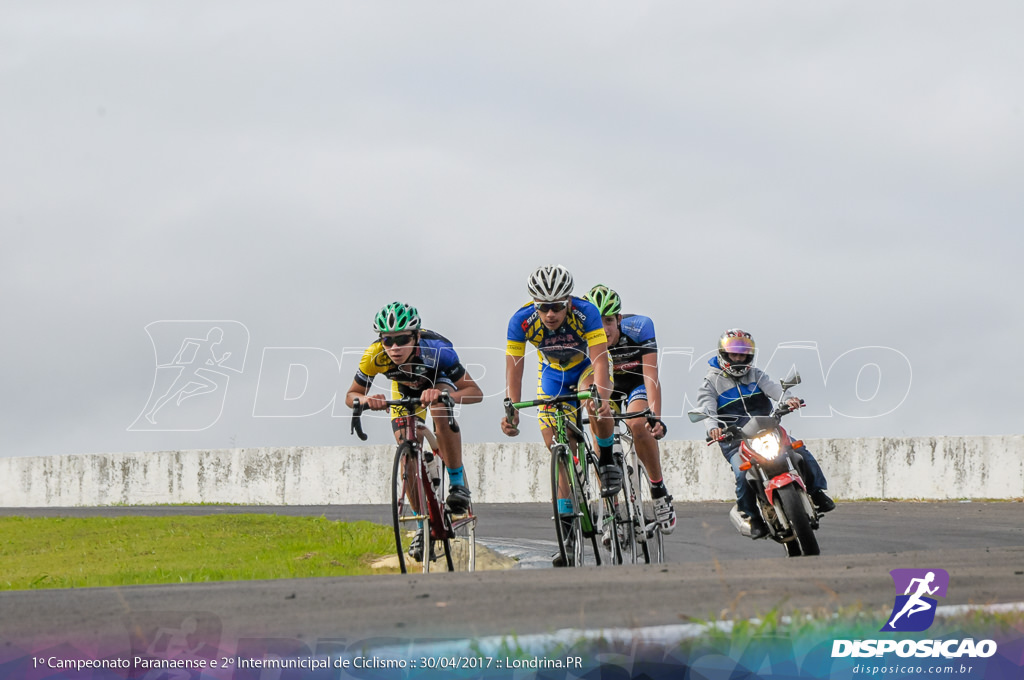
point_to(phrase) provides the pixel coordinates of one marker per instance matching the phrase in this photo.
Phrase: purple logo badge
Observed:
(914, 609)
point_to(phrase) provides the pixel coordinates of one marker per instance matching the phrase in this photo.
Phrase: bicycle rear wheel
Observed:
(612, 521)
(460, 547)
(629, 515)
(654, 544)
(568, 528)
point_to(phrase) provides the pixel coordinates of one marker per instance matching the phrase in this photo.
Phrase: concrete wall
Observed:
(931, 468)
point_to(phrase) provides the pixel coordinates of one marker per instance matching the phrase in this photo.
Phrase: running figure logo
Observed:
(194, 363)
(913, 611)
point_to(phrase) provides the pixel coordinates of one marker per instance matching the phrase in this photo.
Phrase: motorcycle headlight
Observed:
(767, 445)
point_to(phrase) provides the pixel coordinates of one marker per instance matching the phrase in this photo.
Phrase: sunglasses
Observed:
(392, 340)
(545, 307)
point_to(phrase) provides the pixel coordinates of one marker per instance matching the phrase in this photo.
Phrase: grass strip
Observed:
(71, 552)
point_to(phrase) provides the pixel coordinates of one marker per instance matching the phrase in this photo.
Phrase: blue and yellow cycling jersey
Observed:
(563, 353)
(563, 349)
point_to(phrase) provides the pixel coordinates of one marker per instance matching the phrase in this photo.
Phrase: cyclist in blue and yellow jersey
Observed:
(573, 356)
(420, 363)
(635, 386)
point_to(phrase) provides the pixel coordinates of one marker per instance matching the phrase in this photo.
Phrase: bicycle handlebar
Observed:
(408, 402)
(511, 408)
(635, 414)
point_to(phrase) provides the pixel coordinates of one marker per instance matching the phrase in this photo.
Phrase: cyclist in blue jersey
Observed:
(635, 384)
(573, 356)
(420, 363)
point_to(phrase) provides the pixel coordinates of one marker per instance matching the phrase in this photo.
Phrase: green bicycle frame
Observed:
(562, 437)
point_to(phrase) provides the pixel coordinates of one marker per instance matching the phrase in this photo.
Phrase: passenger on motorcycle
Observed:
(635, 387)
(733, 386)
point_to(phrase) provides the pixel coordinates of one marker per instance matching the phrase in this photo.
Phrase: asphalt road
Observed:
(712, 573)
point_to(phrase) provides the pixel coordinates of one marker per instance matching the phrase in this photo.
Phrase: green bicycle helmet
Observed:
(397, 316)
(605, 299)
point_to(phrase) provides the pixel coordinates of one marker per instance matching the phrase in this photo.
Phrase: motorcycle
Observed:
(772, 468)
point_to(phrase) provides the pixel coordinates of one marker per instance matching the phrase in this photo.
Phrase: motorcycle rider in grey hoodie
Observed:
(733, 386)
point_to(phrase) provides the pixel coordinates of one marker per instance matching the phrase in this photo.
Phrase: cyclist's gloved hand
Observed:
(375, 402)
(657, 428)
(429, 396)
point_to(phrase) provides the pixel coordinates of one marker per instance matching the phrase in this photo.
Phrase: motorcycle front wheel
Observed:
(796, 512)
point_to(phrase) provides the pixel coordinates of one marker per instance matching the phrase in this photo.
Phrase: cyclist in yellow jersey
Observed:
(420, 363)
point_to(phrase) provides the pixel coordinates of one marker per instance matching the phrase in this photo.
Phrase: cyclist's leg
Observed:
(450, 444)
(604, 436)
(552, 383)
(649, 453)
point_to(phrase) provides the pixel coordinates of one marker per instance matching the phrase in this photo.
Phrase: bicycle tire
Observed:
(406, 518)
(569, 535)
(654, 543)
(400, 507)
(460, 540)
(461, 544)
(611, 523)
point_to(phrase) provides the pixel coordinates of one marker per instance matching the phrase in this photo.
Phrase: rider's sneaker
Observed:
(416, 548)
(758, 529)
(611, 479)
(458, 499)
(665, 514)
(822, 503)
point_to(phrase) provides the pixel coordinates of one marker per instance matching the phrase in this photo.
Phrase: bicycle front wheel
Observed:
(568, 527)
(409, 511)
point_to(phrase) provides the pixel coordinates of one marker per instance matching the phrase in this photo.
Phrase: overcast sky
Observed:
(844, 175)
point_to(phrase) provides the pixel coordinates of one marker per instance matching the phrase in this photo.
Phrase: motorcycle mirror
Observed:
(793, 378)
(696, 416)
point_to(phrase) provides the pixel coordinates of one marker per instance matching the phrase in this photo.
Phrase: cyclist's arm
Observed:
(514, 377)
(356, 391)
(363, 380)
(649, 365)
(466, 391)
(599, 358)
(360, 391)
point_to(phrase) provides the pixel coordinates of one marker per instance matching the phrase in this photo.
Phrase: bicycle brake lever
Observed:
(447, 400)
(357, 426)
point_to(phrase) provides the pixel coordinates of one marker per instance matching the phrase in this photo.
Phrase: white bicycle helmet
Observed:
(550, 283)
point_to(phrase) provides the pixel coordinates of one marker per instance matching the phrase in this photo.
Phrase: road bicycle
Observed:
(571, 471)
(418, 493)
(637, 533)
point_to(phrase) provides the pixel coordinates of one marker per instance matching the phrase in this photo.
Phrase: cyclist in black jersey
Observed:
(634, 351)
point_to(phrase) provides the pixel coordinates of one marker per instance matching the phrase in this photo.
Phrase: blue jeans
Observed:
(814, 477)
